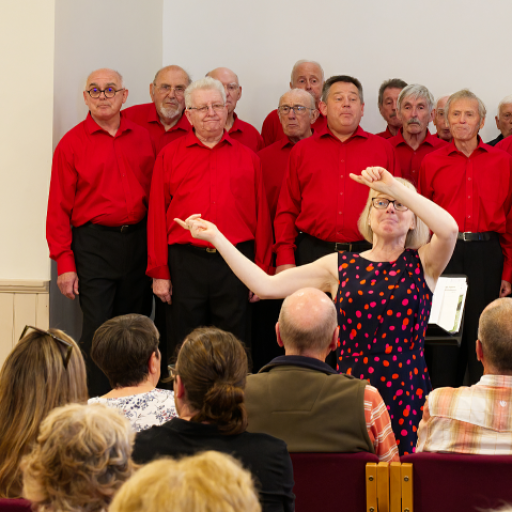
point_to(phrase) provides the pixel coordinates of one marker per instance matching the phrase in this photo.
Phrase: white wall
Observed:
(445, 44)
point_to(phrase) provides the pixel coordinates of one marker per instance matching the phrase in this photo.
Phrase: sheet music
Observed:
(448, 303)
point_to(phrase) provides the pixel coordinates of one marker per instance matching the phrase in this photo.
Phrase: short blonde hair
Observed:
(207, 482)
(81, 458)
(416, 237)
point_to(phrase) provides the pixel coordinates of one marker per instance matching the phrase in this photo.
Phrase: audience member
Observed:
(210, 378)
(302, 400)
(81, 457)
(442, 129)
(44, 370)
(387, 101)
(239, 130)
(503, 120)
(134, 375)
(472, 181)
(476, 419)
(307, 75)
(208, 482)
(413, 141)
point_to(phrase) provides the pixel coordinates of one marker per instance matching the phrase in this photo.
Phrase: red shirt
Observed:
(223, 184)
(409, 159)
(146, 116)
(476, 191)
(318, 197)
(386, 134)
(505, 145)
(246, 134)
(97, 178)
(272, 130)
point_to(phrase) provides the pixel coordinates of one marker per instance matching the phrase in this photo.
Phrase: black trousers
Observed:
(206, 292)
(482, 262)
(111, 270)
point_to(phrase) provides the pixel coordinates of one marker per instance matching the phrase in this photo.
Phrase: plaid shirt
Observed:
(476, 420)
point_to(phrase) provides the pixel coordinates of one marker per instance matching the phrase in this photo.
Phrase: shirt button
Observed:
(469, 179)
(341, 193)
(342, 161)
(340, 213)
(469, 197)
(469, 216)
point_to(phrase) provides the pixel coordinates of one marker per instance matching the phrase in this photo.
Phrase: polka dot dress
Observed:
(383, 310)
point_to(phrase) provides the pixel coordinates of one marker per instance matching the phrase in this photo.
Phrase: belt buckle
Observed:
(464, 235)
(124, 228)
(211, 250)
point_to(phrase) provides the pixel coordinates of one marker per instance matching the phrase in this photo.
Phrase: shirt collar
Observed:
(182, 124)
(429, 139)
(326, 132)
(92, 126)
(191, 427)
(191, 139)
(495, 381)
(301, 361)
(237, 125)
(451, 148)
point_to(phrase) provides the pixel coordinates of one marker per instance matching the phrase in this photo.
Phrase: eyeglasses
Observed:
(380, 203)
(297, 109)
(206, 108)
(166, 89)
(109, 92)
(68, 347)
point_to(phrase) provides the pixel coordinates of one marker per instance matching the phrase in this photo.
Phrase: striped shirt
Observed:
(474, 420)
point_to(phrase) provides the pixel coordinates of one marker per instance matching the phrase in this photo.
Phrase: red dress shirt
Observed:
(318, 197)
(505, 145)
(97, 178)
(223, 184)
(476, 191)
(386, 134)
(409, 159)
(272, 130)
(146, 116)
(246, 134)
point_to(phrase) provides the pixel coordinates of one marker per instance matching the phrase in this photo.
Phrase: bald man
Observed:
(237, 129)
(302, 400)
(163, 117)
(96, 222)
(440, 122)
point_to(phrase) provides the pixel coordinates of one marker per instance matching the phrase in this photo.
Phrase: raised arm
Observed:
(321, 274)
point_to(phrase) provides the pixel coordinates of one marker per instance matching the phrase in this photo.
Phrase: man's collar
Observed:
(400, 139)
(191, 139)
(495, 381)
(301, 361)
(326, 132)
(92, 126)
(182, 124)
(452, 148)
(237, 124)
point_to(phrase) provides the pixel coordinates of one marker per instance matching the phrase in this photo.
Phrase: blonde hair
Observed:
(33, 381)
(416, 237)
(207, 482)
(81, 458)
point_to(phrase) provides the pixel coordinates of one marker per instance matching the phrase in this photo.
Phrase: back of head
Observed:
(81, 458)
(209, 482)
(212, 365)
(133, 336)
(33, 381)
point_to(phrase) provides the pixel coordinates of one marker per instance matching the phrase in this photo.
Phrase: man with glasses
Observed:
(97, 206)
(239, 130)
(163, 117)
(207, 173)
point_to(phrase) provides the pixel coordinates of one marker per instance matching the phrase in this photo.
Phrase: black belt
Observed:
(125, 228)
(358, 246)
(212, 250)
(486, 236)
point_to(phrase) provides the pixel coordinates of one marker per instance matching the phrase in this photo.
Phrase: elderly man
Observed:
(239, 130)
(208, 173)
(302, 400)
(472, 181)
(413, 141)
(439, 119)
(476, 419)
(307, 75)
(163, 117)
(503, 120)
(96, 223)
(388, 98)
(319, 204)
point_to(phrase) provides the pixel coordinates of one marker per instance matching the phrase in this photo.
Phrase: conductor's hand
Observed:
(68, 284)
(253, 297)
(199, 228)
(377, 178)
(162, 288)
(505, 288)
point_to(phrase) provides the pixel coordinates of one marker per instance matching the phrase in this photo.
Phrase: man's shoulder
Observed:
(138, 111)
(248, 127)
(242, 150)
(75, 135)
(272, 116)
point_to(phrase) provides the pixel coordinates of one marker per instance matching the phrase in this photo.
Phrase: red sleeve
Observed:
(263, 237)
(506, 238)
(268, 131)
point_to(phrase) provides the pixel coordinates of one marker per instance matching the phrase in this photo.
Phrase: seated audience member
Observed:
(503, 120)
(208, 482)
(442, 129)
(81, 458)
(237, 129)
(44, 370)
(210, 377)
(126, 350)
(388, 98)
(302, 400)
(476, 419)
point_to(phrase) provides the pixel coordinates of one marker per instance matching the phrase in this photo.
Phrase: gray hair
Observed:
(175, 67)
(303, 61)
(465, 94)
(417, 91)
(507, 100)
(392, 83)
(303, 93)
(204, 84)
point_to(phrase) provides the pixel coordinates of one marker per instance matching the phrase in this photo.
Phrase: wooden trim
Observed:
(24, 286)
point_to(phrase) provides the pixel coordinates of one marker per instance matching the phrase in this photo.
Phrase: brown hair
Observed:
(392, 83)
(33, 381)
(133, 336)
(212, 365)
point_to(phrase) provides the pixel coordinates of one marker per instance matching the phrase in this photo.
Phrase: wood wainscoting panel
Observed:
(6, 324)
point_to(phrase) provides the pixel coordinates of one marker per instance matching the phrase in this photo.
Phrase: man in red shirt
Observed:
(307, 75)
(239, 130)
(319, 204)
(505, 145)
(208, 173)
(96, 222)
(388, 97)
(413, 141)
(439, 119)
(163, 117)
(473, 182)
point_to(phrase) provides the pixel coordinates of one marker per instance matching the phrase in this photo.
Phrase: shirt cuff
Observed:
(285, 257)
(159, 272)
(66, 263)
